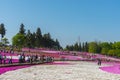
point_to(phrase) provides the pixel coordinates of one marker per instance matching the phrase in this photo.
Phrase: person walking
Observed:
(99, 61)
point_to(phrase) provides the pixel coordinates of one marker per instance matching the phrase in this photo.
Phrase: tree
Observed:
(19, 40)
(48, 42)
(93, 47)
(5, 41)
(33, 39)
(47, 36)
(29, 39)
(22, 30)
(83, 47)
(86, 47)
(105, 47)
(111, 52)
(38, 37)
(57, 44)
(116, 45)
(80, 48)
(2, 30)
(76, 47)
(70, 48)
(38, 32)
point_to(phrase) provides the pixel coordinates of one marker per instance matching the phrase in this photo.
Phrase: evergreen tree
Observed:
(38, 33)
(57, 44)
(47, 40)
(29, 39)
(2, 30)
(80, 47)
(38, 37)
(33, 39)
(76, 47)
(86, 47)
(83, 47)
(22, 30)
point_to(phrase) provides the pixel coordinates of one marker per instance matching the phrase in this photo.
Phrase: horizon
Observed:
(68, 21)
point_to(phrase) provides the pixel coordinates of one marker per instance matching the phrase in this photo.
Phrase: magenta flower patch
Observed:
(6, 69)
(112, 69)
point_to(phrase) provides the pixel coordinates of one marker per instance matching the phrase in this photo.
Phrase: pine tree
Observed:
(80, 47)
(22, 30)
(83, 47)
(29, 39)
(2, 30)
(57, 44)
(86, 47)
(38, 37)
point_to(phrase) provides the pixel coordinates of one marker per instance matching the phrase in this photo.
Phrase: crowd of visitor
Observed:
(34, 58)
(23, 58)
(4, 58)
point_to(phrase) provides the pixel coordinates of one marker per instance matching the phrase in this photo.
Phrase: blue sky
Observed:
(66, 20)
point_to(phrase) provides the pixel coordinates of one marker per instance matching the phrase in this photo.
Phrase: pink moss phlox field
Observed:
(115, 69)
(111, 69)
(9, 54)
(6, 69)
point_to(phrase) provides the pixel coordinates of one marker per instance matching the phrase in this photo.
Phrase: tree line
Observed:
(106, 48)
(34, 40)
(82, 47)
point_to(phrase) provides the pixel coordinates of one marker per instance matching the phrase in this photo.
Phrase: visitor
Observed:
(4, 59)
(52, 59)
(19, 58)
(36, 57)
(23, 58)
(31, 59)
(27, 58)
(1, 58)
(99, 61)
(46, 58)
(42, 58)
(10, 59)
(39, 59)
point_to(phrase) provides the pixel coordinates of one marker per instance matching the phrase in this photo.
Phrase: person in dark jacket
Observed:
(99, 61)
